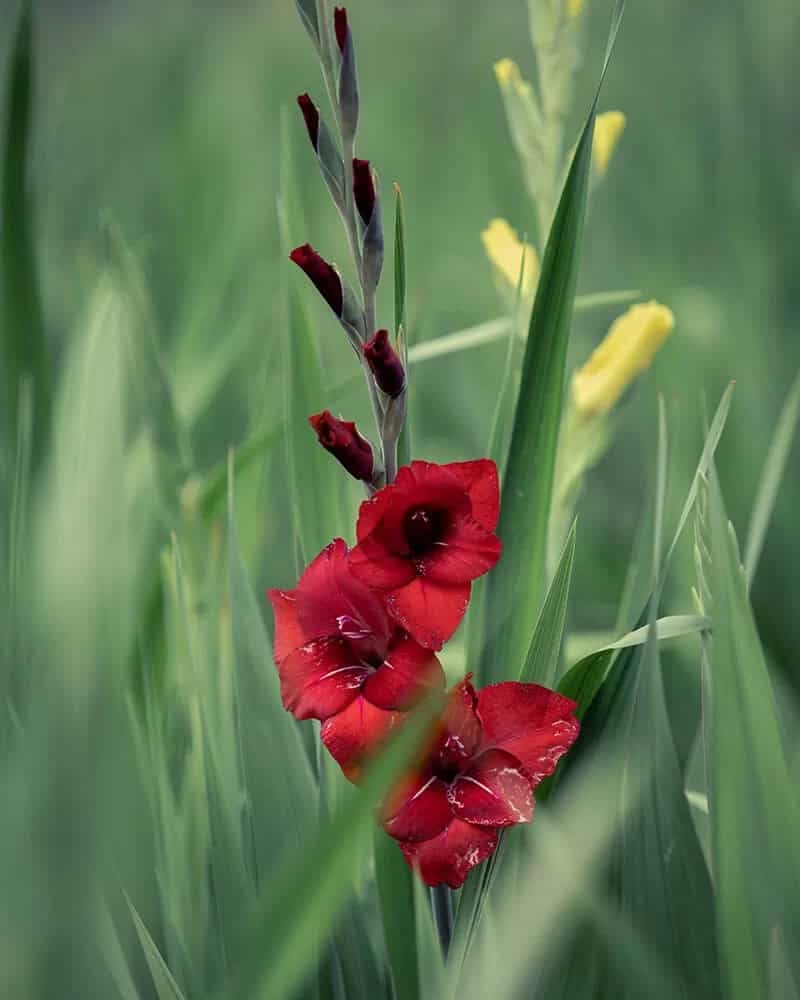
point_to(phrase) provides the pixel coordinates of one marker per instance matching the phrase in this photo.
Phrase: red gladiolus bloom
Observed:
(341, 660)
(424, 538)
(493, 749)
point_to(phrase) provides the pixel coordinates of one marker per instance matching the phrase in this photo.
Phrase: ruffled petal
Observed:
(330, 601)
(495, 791)
(320, 679)
(531, 722)
(376, 566)
(356, 733)
(429, 611)
(466, 552)
(288, 632)
(424, 811)
(479, 480)
(371, 511)
(460, 728)
(449, 857)
(404, 676)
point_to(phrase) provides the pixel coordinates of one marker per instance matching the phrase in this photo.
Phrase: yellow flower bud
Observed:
(608, 129)
(505, 250)
(574, 7)
(628, 349)
(509, 78)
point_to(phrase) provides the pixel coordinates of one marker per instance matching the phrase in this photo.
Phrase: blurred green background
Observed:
(164, 118)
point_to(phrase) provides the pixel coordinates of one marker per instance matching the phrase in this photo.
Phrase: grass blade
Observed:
(771, 477)
(23, 344)
(165, 986)
(397, 898)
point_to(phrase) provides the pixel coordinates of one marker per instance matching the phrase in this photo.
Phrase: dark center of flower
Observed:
(423, 529)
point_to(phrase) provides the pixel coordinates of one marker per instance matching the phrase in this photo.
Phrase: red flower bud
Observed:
(340, 27)
(311, 116)
(343, 441)
(323, 276)
(363, 189)
(384, 364)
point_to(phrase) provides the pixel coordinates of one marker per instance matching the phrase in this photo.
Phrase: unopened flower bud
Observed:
(311, 116)
(385, 365)
(363, 189)
(340, 27)
(343, 441)
(324, 277)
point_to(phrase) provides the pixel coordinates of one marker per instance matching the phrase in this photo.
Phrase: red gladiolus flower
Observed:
(341, 660)
(322, 275)
(340, 27)
(385, 365)
(424, 538)
(311, 117)
(493, 749)
(342, 440)
(363, 189)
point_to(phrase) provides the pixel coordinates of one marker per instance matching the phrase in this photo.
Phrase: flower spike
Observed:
(343, 441)
(385, 365)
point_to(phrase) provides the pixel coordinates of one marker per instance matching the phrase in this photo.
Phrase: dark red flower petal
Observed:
(340, 27)
(408, 670)
(479, 480)
(429, 611)
(449, 857)
(422, 810)
(342, 440)
(322, 275)
(356, 734)
(288, 631)
(311, 118)
(460, 728)
(363, 189)
(371, 512)
(531, 722)
(385, 364)
(320, 679)
(330, 601)
(466, 551)
(379, 568)
(495, 791)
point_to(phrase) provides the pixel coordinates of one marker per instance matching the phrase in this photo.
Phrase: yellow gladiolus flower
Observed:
(628, 349)
(608, 128)
(505, 250)
(509, 77)
(574, 7)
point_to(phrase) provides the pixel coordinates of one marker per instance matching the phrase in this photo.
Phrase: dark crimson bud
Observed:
(340, 27)
(311, 116)
(385, 365)
(343, 441)
(324, 277)
(363, 189)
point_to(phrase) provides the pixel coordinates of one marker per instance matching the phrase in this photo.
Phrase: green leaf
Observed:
(515, 587)
(753, 801)
(165, 986)
(397, 898)
(305, 896)
(771, 477)
(23, 343)
(315, 479)
(542, 662)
